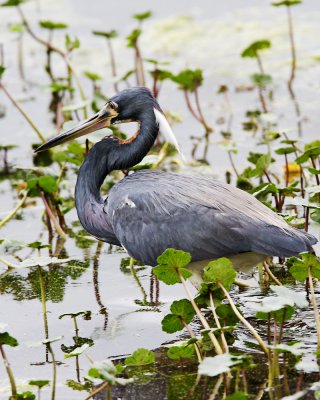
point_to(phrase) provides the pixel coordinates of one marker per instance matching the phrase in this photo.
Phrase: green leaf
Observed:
(92, 76)
(174, 258)
(56, 87)
(287, 3)
(262, 165)
(184, 309)
(170, 261)
(74, 385)
(108, 34)
(52, 25)
(181, 310)
(300, 266)
(12, 3)
(227, 315)
(314, 171)
(38, 245)
(213, 366)
(179, 352)
(285, 150)
(71, 44)
(169, 275)
(261, 80)
(48, 183)
(39, 383)
(188, 79)
(17, 28)
(133, 37)
(26, 396)
(2, 69)
(86, 315)
(172, 323)
(142, 16)
(252, 50)
(161, 74)
(312, 153)
(220, 270)
(264, 189)
(140, 357)
(6, 339)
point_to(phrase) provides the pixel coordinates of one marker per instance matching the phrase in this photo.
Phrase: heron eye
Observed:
(113, 106)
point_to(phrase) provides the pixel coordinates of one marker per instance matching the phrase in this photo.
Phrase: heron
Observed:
(149, 211)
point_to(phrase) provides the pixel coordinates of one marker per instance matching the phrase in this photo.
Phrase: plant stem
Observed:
(8, 263)
(232, 163)
(24, 114)
(191, 333)
(306, 224)
(98, 390)
(315, 307)
(216, 388)
(52, 217)
(293, 72)
(243, 320)
(14, 211)
(64, 55)
(260, 89)
(287, 169)
(44, 308)
(113, 64)
(274, 278)
(9, 372)
(20, 56)
(189, 105)
(54, 378)
(293, 49)
(204, 322)
(215, 316)
(203, 121)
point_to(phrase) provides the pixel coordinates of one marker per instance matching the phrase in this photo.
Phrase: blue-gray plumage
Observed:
(149, 211)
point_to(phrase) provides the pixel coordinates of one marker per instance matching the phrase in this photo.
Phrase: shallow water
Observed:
(122, 318)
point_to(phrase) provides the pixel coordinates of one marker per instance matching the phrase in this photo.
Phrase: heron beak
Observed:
(100, 120)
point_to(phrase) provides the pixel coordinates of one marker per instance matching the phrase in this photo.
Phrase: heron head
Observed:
(132, 103)
(126, 106)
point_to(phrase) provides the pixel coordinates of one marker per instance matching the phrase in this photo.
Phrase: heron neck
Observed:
(105, 156)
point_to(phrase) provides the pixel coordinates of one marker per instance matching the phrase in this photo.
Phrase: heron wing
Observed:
(151, 211)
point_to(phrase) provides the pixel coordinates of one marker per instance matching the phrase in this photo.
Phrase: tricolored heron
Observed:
(149, 211)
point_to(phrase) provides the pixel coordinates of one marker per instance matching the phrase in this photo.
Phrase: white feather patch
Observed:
(166, 130)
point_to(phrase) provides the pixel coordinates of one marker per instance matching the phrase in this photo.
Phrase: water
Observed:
(209, 36)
